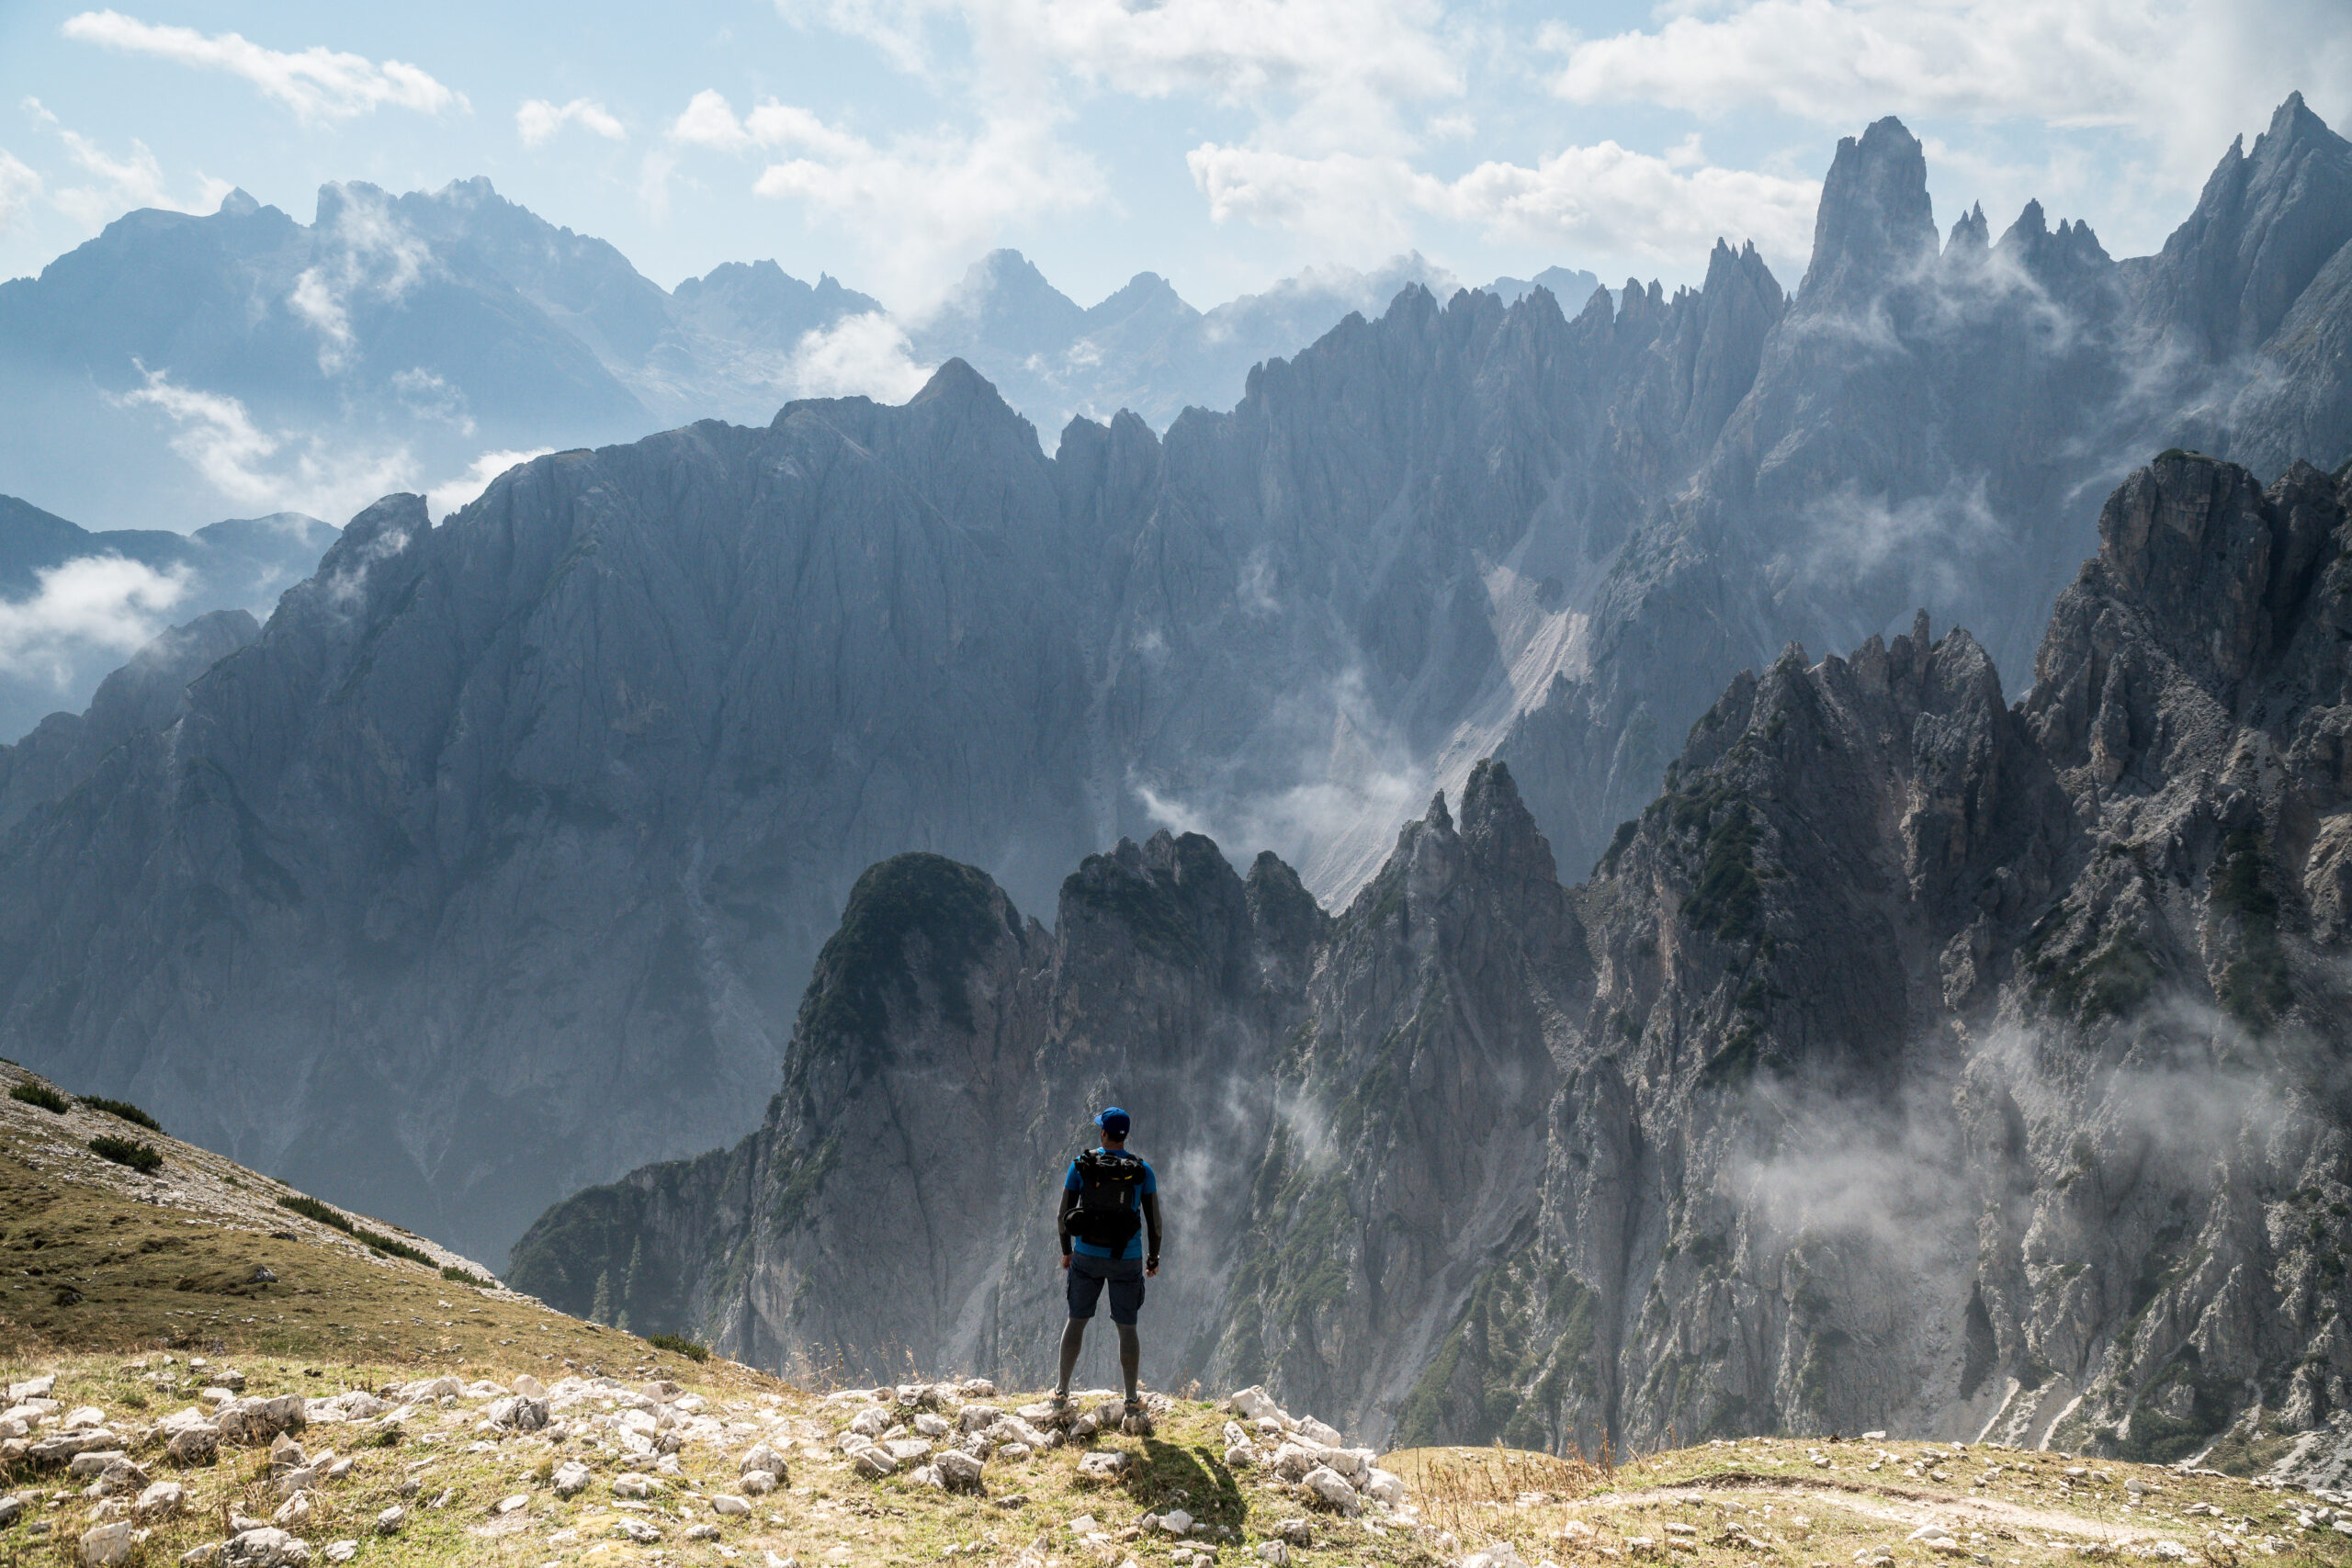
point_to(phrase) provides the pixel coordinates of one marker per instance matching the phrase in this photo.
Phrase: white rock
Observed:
(1176, 1521)
(757, 1483)
(958, 1471)
(509, 1505)
(1385, 1486)
(390, 1521)
(636, 1531)
(1254, 1404)
(728, 1506)
(267, 1548)
(978, 1388)
(108, 1544)
(765, 1458)
(631, 1485)
(931, 1425)
(294, 1512)
(1083, 1525)
(571, 1478)
(1314, 1431)
(1273, 1551)
(1107, 1464)
(870, 1423)
(1332, 1487)
(1240, 1456)
(341, 1550)
(1295, 1459)
(873, 1463)
(32, 1388)
(528, 1387)
(1496, 1556)
(161, 1501)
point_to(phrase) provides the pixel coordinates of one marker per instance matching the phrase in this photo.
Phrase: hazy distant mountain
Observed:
(1144, 349)
(178, 364)
(1572, 288)
(68, 616)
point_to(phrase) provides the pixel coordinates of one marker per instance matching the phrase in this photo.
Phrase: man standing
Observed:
(1109, 1199)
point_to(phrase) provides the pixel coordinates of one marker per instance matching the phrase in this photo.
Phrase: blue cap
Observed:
(1113, 1122)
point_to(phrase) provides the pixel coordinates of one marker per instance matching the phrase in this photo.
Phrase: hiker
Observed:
(1109, 1199)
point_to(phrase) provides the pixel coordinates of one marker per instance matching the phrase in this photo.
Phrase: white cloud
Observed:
(122, 182)
(376, 256)
(318, 83)
(2184, 74)
(117, 184)
(454, 494)
(314, 301)
(1338, 66)
(538, 120)
(1602, 197)
(921, 204)
(264, 470)
(865, 355)
(19, 187)
(708, 120)
(95, 603)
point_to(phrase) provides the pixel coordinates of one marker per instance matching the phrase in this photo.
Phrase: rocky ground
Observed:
(271, 1463)
(165, 1403)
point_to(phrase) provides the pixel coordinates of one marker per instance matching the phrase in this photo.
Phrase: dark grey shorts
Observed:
(1089, 1275)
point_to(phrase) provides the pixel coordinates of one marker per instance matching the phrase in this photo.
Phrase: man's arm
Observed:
(1061, 1223)
(1151, 1228)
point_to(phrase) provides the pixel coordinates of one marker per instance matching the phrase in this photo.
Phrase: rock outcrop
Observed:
(1912, 1061)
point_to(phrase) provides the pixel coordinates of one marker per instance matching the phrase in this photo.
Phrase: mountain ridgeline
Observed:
(497, 863)
(1913, 1060)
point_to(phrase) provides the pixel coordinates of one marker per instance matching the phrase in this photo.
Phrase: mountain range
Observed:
(1914, 1061)
(513, 838)
(429, 339)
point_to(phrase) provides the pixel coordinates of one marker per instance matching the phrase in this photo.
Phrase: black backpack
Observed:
(1109, 1211)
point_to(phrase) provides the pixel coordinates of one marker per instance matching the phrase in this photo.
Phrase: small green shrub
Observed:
(680, 1344)
(450, 1272)
(39, 1094)
(311, 1209)
(387, 1245)
(123, 1108)
(141, 1158)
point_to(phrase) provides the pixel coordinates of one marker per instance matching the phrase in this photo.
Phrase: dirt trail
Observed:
(1890, 1505)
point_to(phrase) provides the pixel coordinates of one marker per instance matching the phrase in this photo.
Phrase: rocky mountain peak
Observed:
(1875, 224)
(2213, 571)
(2264, 224)
(1969, 233)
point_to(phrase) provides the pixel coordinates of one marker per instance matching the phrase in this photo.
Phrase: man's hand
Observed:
(1151, 1268)
(1065, 1261)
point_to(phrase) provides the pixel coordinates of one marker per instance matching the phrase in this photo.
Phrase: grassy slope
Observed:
(163, 1265)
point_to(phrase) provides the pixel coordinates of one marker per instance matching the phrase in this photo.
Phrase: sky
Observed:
(1221, 143)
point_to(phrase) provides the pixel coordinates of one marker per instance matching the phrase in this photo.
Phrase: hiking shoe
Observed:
(1136, 1422)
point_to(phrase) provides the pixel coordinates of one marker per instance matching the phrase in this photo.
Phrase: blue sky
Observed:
(1221, 143)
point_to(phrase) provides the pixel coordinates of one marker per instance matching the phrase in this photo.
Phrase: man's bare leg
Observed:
(1130, 1356)
(1073, 1339)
